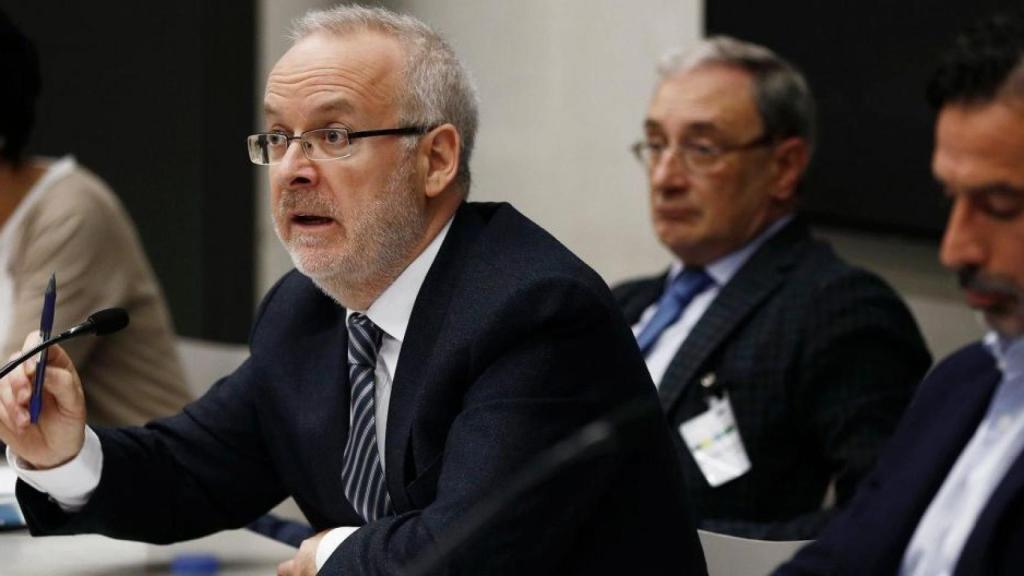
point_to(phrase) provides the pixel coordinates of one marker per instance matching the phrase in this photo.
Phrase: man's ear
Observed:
(790, 158)
(439, 156)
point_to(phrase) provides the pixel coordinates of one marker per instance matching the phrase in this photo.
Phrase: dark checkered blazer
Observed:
(819, 360)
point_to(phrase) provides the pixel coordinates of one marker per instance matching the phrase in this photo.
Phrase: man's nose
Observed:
(963, 242)
(669, 169)
(295, 170)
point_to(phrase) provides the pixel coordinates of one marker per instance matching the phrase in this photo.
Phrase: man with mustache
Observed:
(947, 496)
(816, 359)
(425, 353)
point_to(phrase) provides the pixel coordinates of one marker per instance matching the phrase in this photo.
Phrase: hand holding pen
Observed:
(57, 437)
(45, 327)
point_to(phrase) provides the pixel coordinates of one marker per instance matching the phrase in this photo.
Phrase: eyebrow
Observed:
(998, 188)
(334, 105)
(694, 128)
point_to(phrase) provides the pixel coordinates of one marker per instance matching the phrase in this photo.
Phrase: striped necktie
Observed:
(361, 473)
(682, 289)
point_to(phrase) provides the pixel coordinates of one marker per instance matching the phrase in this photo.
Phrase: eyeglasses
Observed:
(268, 148)
(699, 156)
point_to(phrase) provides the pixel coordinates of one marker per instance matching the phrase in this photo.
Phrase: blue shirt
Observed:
(937, 543)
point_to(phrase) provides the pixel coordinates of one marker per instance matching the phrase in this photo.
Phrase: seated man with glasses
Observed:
(423, 357)
(782, 369)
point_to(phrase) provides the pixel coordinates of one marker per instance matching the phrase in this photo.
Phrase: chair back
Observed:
(205, 362)
(733, 556)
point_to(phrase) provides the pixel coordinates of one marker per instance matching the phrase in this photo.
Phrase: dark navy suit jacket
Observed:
(512, 345)
(871, 536)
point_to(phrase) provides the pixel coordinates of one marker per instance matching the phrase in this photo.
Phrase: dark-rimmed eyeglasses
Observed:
(699, 156)
(268, 148)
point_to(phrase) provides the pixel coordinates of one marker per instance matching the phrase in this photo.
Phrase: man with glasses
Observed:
(782, 368)
(424, 355)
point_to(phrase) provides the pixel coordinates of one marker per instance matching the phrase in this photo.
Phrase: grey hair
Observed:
(438, 88)
(781, 93)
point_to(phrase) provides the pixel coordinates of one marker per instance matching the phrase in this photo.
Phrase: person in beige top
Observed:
(57, 217)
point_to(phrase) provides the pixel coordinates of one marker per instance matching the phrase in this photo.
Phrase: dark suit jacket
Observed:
(871, 536)
(819, 360)
(512, 345)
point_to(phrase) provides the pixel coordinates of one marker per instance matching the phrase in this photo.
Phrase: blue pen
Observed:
(35, 405)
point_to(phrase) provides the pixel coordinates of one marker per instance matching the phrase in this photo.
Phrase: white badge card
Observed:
(714, 441)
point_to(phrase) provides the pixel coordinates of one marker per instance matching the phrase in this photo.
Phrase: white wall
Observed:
(564, 86)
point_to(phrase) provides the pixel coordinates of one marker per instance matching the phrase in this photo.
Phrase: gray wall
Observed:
(564, 86)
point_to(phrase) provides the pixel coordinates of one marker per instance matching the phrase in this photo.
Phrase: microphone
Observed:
(102, 323)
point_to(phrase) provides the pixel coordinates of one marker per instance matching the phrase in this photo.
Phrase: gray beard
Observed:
(379, 244)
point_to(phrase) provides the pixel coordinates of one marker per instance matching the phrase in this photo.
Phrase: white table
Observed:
(238, 552)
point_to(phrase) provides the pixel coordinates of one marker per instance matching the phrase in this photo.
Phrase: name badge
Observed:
(714, 441)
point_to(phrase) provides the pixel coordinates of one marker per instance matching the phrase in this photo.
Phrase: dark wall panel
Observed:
(868, 63)
(157, 98)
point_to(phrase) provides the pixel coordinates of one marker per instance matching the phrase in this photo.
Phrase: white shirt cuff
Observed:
(71, 484)
(330, 542)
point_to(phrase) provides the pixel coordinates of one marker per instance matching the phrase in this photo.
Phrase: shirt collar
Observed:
(393, 308)
(723, 269)
(1008, 352)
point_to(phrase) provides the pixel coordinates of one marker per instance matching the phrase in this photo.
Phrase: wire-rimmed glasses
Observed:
(268, 148)
(699, 156)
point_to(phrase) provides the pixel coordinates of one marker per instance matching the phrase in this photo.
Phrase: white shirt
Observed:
(939, 539)
(71, 484)
(721, 271)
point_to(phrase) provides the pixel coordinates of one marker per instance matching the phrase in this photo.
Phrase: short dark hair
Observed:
(985, 59)
(19, 68)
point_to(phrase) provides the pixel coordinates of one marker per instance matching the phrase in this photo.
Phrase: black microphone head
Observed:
(108, 321)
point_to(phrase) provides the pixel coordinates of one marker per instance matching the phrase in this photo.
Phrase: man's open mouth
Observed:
(310, 220)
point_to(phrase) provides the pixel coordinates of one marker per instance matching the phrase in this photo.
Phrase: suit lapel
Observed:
(421, 338)
(320, 350)
(755, 281)
(944, 429)
(644, 294)
(336, 440)
(984, 532)
(344, 392)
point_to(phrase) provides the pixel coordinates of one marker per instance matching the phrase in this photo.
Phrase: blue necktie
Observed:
(682, 289)
(361, 473)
